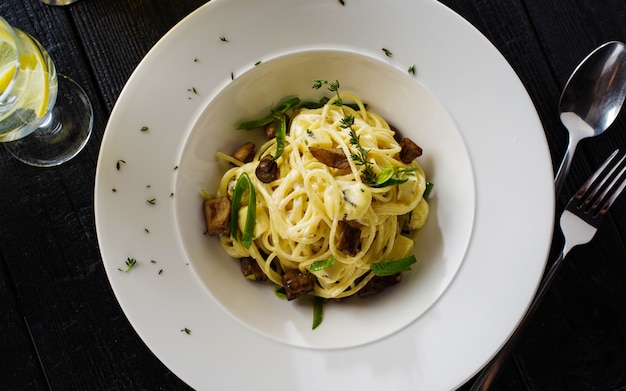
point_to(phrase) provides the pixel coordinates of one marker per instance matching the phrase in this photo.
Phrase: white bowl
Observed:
(403, 102)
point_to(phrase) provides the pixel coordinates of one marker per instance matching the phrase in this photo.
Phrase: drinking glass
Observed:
(45, 117)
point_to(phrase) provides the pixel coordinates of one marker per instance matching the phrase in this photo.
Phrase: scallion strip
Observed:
(429, 188)
(280, 127)
(286, 104)
(321, 265)
(318, 311)
(243, 183)
(382, 269)
(257, 123)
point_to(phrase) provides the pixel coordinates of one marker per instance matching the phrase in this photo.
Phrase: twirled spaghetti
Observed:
(300, 213)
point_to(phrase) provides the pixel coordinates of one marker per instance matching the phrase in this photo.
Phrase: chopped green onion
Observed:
(429, 188)
(318, 311)
(280, 292)
(390, 268)
(286, 104)
(321, 265)
(385, 175)
(242, 184)
(257, 123)
(280, 126)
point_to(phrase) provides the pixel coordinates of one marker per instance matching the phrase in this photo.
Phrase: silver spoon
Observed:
(58, 2)
(590, 102)
(592, 98)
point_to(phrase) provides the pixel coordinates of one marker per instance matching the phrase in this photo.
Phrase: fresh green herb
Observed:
(412, 70)
(257, 63)
(257, 123)
(280, 292)
(119, 163)
(146, 230)
(429, 188)
(243, 183)
(232, 76)
(151, 201)
(318, 311)
(185, 330)
(393, 267)
(279, 118)
(153, 261)
(130, 263)
(387, 52)
(144, 129)
(321, 265)
(160, 271)
(114, 190)
(389, 176)
(175, 168)
(280, 124)
(347, 122)
(223, 39)
(193, 90)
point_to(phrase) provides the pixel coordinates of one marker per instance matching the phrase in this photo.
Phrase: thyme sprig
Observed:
(389, 176)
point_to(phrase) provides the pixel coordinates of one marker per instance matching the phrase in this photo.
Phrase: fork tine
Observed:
(620, 181)
(582, 193)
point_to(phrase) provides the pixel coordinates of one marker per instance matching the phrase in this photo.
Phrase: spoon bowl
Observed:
(592, 98)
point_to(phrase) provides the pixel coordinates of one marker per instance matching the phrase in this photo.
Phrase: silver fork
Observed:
(579, 223)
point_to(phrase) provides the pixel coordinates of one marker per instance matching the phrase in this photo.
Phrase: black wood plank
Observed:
(84, 340)
(19, 365)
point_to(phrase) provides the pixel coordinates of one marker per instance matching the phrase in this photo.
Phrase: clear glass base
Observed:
(63, 134)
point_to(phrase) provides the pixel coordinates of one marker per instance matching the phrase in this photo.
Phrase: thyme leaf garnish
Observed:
(130, 263)
(388, 176)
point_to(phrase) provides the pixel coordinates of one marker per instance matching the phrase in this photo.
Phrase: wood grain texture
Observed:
(52, 277)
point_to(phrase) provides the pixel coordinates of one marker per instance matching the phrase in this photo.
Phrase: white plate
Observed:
(455, 330)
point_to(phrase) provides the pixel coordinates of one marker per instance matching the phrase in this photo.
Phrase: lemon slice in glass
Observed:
(38, 91)
(7, 59)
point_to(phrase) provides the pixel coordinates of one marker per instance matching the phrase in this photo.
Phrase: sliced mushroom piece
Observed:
(410, 151)
(297, 283)
(245, 153)
(217, 213)
(267, 169)
(349, 239)
(378, 283)
(251, 269)
(270, 130)
(332, 157)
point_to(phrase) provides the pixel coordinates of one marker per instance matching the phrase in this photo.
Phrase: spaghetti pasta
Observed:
(301, 214)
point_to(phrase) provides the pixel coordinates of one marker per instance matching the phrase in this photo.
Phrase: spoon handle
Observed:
(561, 174)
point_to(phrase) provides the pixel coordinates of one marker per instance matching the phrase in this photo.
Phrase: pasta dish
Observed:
(330, 201)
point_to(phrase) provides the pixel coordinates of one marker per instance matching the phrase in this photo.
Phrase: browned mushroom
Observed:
(267, 169)
(349, 239)
(245, 153)
(251, 269)
(332, 157)
(378, 283)
(297, 283)
(217, 213)
(410, 151)
(270, 130)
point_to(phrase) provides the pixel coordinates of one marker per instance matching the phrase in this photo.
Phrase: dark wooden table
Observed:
(61, 326)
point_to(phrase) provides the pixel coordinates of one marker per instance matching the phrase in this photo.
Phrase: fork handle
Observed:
(491, 370)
